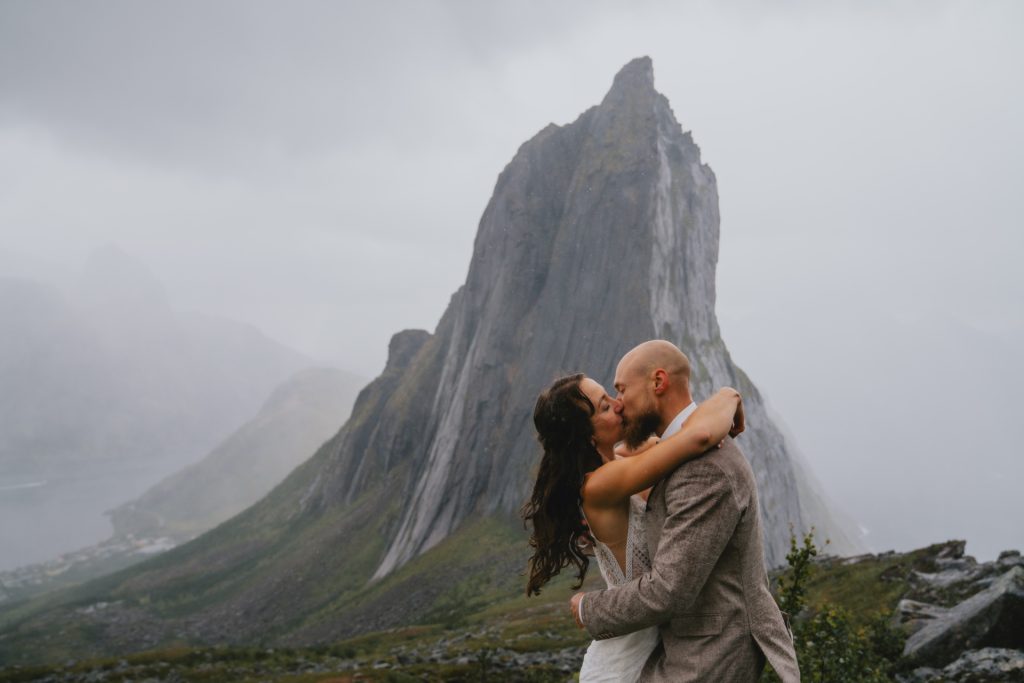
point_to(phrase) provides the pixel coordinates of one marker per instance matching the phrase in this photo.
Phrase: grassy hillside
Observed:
(478, 625)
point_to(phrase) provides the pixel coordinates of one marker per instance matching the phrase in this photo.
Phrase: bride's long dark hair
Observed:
(562, 418)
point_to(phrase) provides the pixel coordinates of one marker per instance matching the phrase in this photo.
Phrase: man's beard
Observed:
(640, 428)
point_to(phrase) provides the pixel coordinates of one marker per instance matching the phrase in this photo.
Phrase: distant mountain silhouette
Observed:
(298, 417)
(109, 372)
(104, 389)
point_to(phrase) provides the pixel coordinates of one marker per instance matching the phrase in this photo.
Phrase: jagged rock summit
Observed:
(601, 233)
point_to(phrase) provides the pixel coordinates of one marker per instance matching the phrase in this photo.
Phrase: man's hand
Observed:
(739, 421)
(574, 605)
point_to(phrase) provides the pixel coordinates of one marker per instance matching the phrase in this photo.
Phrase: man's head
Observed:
(653, 385)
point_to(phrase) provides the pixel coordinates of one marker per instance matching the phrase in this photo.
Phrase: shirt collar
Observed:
(677, 422)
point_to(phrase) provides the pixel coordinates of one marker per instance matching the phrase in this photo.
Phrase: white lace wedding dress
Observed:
(621, 659)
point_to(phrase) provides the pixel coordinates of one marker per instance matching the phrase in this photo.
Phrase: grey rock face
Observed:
(601, 234)
(991, 617)
(915, 615)
(987, 665)
(1010, 558)
(952, 577)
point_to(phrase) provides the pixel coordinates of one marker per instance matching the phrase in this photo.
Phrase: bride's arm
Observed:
(718, 417)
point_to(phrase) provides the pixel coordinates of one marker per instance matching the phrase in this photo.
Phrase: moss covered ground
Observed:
(478, 625)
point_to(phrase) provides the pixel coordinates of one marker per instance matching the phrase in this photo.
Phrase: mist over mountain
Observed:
(293, 422)
(110, 371)
(298, 417)
(104, 389)
(600, 234)
(920, 452)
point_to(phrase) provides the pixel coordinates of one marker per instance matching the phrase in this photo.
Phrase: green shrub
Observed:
(830, 646)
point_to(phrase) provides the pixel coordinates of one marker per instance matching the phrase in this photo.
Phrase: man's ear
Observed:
(660, 382)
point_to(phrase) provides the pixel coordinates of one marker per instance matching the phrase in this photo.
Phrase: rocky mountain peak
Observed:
(634, 81)
(403, 346)
(600, 234)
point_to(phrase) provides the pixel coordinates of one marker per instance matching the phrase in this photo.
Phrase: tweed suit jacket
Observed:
(708, 587)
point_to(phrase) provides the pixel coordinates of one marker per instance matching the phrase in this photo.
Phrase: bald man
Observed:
(708, 586)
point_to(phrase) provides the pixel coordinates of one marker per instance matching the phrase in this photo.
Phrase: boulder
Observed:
(993, 617)
(1010, 558)
(950, 577)
(914, 615)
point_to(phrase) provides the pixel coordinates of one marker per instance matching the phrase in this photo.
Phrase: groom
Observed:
(708, 587)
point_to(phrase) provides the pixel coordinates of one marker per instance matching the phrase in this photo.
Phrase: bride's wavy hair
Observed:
(562, 418)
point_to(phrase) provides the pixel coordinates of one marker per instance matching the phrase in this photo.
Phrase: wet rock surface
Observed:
(965, 619)
(974, 666)
(993, 616)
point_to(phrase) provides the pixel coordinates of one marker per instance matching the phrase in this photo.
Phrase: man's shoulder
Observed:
(726, 463)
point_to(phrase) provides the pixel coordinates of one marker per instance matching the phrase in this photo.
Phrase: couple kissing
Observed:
(673, 523)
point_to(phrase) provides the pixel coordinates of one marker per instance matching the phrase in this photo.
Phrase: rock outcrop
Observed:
(988, 665)
(965, 619)
(992, 617)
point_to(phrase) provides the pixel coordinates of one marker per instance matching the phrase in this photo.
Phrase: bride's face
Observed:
(606, 418)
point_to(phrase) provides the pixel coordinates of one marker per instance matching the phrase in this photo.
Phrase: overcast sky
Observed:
(318, 169)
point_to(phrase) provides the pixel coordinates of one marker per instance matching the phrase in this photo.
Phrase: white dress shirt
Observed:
(677, 422)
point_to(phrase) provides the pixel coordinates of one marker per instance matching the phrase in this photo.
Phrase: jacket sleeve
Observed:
(702, 514)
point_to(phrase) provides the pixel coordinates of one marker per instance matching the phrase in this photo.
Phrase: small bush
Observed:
(830, 646)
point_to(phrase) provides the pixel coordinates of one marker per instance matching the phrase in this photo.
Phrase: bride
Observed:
(578, 425)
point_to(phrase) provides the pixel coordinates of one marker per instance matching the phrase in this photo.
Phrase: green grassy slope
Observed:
(471, 623)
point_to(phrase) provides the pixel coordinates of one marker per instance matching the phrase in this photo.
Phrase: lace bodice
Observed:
(621, 659)
(638, 558)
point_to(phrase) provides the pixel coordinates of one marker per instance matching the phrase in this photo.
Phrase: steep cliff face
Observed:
(600, 234)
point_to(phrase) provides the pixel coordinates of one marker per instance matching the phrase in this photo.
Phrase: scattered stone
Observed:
(893, 573)
(1010, 558)
(987, 665)
(952, 550)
